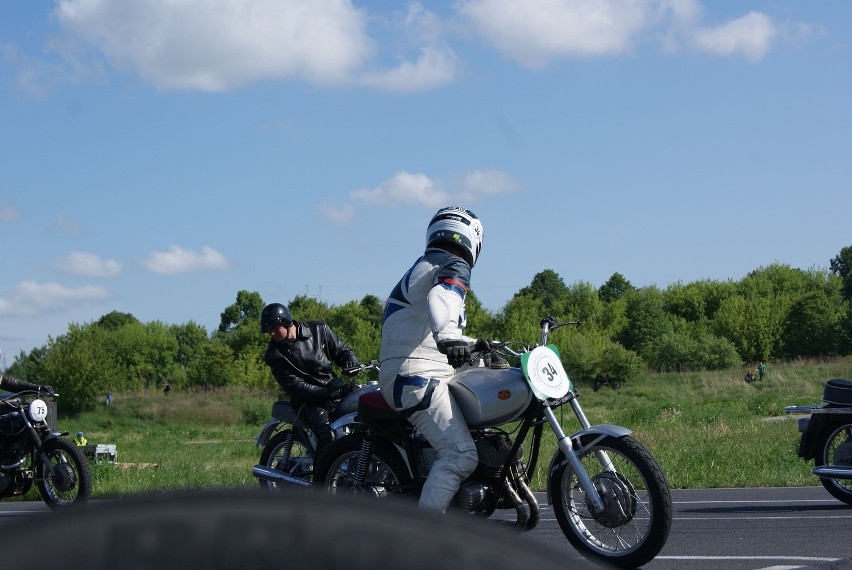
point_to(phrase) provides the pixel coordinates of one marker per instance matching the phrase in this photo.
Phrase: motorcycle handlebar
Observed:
(368, 366)
(502, 347)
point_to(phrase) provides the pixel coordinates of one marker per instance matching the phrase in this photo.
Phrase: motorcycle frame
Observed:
(401, 434)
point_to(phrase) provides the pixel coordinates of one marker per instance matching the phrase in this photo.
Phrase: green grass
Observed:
(706, 429)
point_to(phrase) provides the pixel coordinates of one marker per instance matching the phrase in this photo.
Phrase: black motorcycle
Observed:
(289, 445)
(32, 452)
(827, 438)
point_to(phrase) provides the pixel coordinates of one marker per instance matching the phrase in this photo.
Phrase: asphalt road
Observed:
(749, 529)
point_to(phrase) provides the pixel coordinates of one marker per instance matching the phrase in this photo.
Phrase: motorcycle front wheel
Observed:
(386, 474)
(287, 451)
(68, 479)
(637, 515)
(835, 448)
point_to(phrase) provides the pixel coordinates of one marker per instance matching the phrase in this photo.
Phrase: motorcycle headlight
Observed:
(38, 410)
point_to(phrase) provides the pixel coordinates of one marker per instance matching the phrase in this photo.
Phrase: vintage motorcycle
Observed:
(30, 451)
(289, 445)
(827, 438)
(610, 496)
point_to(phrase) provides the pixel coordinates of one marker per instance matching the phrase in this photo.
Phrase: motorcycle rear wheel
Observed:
(292, 455)
(387, 475)
(636, 522)
(835, 448)
(71, 482)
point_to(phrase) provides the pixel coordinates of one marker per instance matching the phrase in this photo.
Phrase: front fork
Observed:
(50, 473)
(567, 449)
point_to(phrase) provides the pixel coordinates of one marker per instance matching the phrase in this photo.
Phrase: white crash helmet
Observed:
(459, 227)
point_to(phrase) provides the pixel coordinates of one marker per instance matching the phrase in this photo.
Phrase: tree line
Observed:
(774, 312)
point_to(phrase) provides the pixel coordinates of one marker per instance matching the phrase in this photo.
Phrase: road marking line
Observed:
(787, 558)
(762, 501)
(760, 518)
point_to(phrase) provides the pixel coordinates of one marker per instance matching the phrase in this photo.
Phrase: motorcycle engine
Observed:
(474, 497)
(15, 482)
(477, 494)
(494, 451)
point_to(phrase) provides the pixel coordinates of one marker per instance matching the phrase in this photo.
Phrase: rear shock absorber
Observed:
(288, 446)
(363, 460)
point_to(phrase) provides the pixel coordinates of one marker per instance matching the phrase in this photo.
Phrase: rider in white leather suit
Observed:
(422, 343)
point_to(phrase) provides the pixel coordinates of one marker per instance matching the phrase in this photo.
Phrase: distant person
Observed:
(81, 440)
(761, 370)
(109, 396)
(300, 355)
(167, 389)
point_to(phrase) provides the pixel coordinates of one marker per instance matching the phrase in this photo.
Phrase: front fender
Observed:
(590, 436)
(268, 430)
(342, 425)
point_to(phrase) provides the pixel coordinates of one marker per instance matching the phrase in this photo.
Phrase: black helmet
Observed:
(273, 315)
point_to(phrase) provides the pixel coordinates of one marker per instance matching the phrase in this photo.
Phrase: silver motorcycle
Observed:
(609, 495)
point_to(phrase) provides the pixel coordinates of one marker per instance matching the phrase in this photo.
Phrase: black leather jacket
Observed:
(303, 366)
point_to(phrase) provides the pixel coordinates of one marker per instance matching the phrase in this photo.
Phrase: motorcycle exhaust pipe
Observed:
(271, 475)
(833, 472)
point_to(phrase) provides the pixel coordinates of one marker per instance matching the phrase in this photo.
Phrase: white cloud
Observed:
(178, 260)
(481, 184)
(436, 66)
(535, 32)
(404, 188)
(339, 213)
(29, 298)
(221, 44)
(88, 264)
(218, 45)
(8, 213)
(418, 189)
(750, 36)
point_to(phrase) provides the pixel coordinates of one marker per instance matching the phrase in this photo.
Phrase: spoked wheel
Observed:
(69, 479)
(387, 475)
(635, 521)
(287, 451)
(835, 448)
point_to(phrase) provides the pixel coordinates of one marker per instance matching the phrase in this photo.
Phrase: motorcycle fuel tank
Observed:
(489, 397)
(349, 403)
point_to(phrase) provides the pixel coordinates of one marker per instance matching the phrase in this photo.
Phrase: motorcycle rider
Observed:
(422, 344)
(300, 355)
(15, 385)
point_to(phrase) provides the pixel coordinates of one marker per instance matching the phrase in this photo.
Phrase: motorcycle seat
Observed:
(838, 391)
(372, 406)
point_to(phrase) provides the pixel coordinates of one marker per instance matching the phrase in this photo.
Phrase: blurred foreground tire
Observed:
(242, 529)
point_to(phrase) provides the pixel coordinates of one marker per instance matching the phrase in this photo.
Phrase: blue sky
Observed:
(160, 155)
